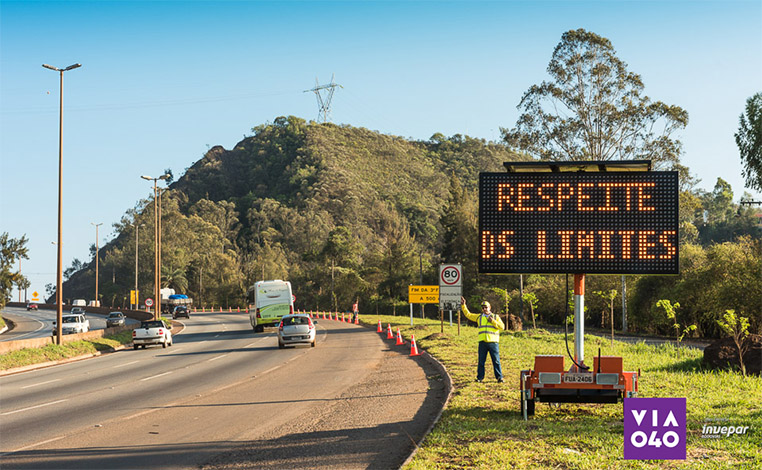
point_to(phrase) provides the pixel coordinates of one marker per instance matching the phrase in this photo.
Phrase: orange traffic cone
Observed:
(413, 347)
(380, 328)
(399, 338)
(357, 319)
(389, 334)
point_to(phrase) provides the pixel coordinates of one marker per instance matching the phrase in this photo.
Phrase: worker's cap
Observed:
(486, 304)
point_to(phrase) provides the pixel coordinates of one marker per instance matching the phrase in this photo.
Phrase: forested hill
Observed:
(343, 170)
(307, 202)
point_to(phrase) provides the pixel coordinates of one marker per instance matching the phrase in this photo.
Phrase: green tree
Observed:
(593, 108)
(671, 311)
(532, 301)
(460, 232)
(608, 296)
(719, 203)
(11, 249)
(749, 141)
(22, 283)
(738, 329)
(174, 278)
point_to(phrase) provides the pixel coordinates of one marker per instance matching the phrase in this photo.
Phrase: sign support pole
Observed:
(579, 319)
(624, 305)
(411, 314)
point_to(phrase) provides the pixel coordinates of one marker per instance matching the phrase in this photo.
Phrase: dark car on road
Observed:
(115, 319)
(180, 311)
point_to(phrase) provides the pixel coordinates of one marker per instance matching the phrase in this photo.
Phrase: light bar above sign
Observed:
(579, 222)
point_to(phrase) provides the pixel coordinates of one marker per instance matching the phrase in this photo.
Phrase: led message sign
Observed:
(579, 222)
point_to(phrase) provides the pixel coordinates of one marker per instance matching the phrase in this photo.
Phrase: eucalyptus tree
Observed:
(594, 108)
(749, 141)
(11, 250)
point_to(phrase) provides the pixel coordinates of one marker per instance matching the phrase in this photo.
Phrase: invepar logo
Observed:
(654, 428)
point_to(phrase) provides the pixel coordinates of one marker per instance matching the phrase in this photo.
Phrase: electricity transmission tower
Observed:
(324, 104)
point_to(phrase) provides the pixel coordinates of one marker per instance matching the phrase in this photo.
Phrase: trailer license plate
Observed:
(572, 378)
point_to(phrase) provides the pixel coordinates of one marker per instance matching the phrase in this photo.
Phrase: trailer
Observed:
(551, 382)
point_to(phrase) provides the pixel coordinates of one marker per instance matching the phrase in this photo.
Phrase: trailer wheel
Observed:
(529, 405)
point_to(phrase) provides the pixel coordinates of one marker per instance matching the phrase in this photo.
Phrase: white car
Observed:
(152, 332)
(72, 324)
(296, 329)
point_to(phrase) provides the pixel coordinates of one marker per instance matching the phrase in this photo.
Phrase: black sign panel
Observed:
(579, 222)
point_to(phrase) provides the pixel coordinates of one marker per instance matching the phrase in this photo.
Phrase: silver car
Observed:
(115, 319)
(296, 329)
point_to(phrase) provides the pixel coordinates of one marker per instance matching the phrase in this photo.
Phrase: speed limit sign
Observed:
(450, 275)
(450, 290)
(149, 302)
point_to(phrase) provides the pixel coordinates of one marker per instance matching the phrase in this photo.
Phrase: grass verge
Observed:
(54, 352)
(482, 426)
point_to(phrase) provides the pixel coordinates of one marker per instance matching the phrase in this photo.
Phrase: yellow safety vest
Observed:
(487, 331)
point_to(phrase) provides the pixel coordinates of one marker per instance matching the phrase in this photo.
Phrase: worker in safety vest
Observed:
(489, 338)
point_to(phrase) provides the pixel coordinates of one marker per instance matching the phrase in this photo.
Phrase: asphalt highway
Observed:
(39, 323)
(218, 387)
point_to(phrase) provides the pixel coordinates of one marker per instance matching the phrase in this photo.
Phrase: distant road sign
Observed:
(450, 275)
(450, 286)
(423, 294)
(149, 302)
(35, 296)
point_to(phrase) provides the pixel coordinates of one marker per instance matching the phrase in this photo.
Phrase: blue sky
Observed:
(161, 82)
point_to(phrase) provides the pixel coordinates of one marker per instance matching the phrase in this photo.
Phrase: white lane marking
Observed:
(155, 376)
(41, 383)
(42, 325)
(124, 365)
(250, 345)
(33, 407)
(34, 445)
(215, 358)
(216, 336)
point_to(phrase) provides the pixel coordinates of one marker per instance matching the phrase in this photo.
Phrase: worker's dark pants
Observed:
(494, 352)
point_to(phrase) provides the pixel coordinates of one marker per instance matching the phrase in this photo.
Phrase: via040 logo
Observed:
(654, 428)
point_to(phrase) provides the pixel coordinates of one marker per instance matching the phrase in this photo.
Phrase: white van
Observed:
(268, 302)
(79, 303)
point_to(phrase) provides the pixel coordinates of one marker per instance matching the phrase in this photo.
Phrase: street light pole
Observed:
(59, 273)
(158, 272)
(157, 245)
(97, 299)
(137, 234)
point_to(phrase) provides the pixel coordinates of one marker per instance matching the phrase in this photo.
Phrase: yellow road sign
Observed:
(423, 294)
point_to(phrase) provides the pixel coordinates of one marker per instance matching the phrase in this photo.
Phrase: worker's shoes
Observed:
(479, 380)
(499, 381)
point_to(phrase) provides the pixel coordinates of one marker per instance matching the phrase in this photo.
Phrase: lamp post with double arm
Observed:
(157, 245)
(59, 271)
